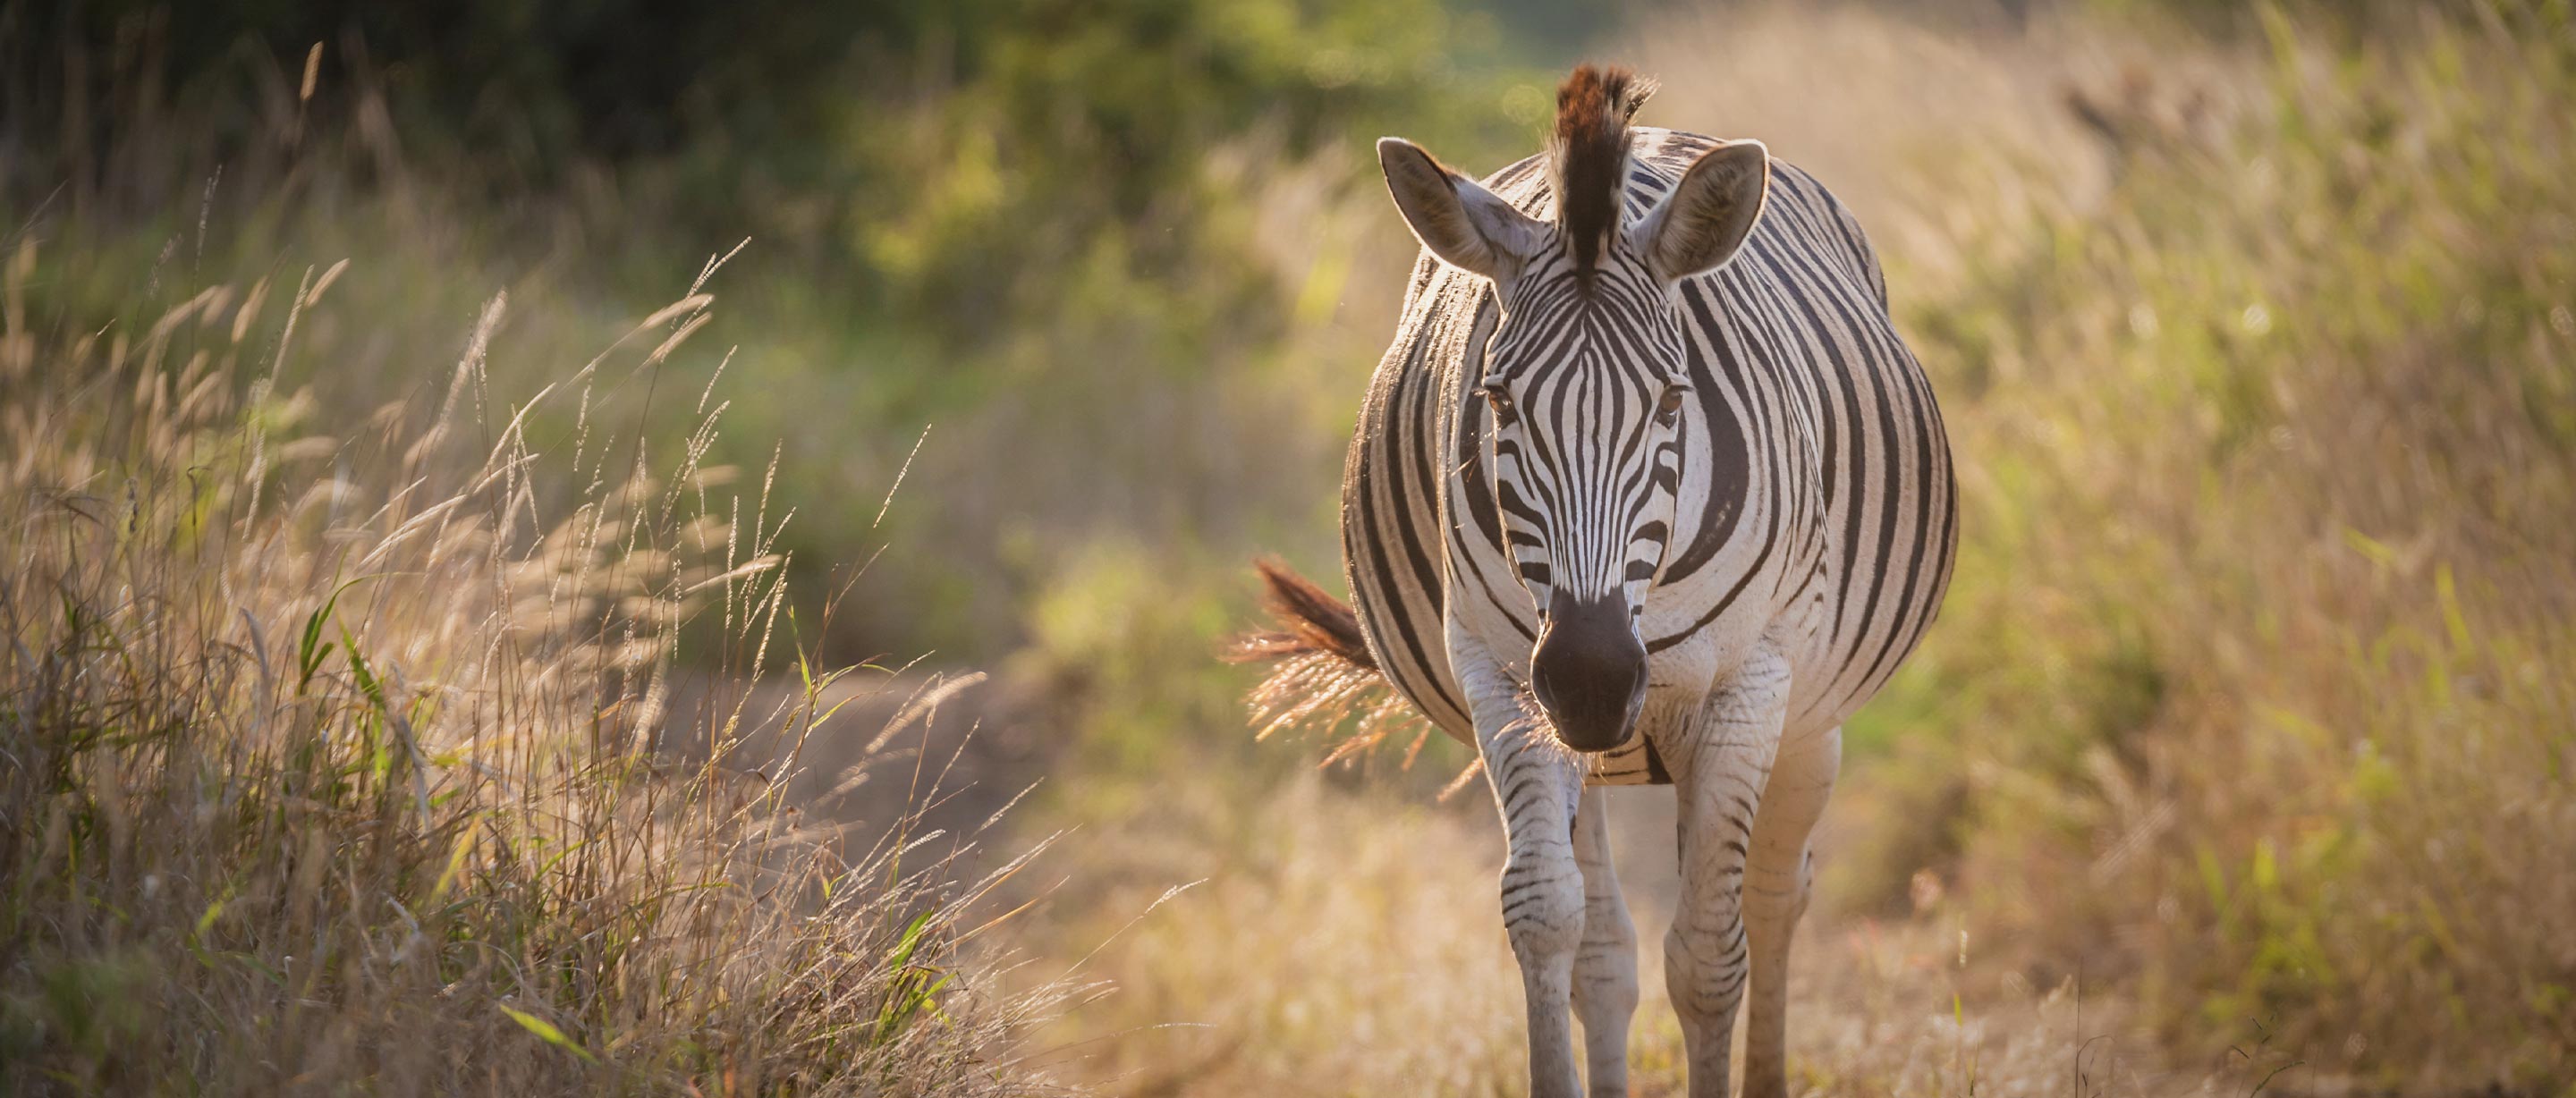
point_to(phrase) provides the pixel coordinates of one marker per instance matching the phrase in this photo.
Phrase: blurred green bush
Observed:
(1092, 243)
(2254, 684)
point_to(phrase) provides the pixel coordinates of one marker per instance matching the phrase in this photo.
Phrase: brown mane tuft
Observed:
(1588, 153)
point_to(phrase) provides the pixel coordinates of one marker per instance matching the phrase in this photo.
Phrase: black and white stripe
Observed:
(1647, 489)
(1810, 463)
(1747, 462)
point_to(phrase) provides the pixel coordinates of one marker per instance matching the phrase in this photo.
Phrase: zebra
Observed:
(1646, 490)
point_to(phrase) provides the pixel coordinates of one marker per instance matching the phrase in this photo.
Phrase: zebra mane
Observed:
(1587, 155)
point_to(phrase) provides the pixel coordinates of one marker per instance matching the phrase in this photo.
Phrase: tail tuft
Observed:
(1308, 620)
(1322, 674)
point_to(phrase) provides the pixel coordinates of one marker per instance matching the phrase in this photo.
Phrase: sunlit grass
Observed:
(327, 755)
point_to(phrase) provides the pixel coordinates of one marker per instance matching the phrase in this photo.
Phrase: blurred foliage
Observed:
(1047, 227)
(947, 161)
(2254, 682)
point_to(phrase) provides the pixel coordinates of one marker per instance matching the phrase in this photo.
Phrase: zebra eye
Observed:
(1504, 414)
(1669, 408)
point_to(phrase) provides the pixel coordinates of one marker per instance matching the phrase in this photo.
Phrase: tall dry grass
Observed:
(325, 748)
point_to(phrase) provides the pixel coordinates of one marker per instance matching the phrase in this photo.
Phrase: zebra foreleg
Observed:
(1605, 967)
(1776, 883)
(1536, 783)
(1719, 771)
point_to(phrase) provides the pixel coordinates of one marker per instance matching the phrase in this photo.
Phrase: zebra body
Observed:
(1646, 489)
(1816, 499)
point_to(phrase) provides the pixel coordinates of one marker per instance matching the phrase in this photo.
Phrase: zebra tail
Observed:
(1322, 675)
(1308, 619)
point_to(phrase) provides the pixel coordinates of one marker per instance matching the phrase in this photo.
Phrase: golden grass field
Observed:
(404, 695)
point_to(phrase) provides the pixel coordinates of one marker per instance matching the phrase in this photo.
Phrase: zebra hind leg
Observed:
(1605, 966)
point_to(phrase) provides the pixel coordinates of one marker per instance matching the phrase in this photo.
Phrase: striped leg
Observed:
(1536, 783)
(1775, 895)
(1605, 968)
(1718, 775)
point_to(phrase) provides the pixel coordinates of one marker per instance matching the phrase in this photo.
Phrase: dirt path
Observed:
(1331, 938)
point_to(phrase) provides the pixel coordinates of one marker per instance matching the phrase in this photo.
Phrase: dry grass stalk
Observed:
(323, 764)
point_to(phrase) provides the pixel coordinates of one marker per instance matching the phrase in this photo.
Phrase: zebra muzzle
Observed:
(1589, 672)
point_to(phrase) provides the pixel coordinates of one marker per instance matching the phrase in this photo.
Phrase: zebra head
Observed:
(1586, 379)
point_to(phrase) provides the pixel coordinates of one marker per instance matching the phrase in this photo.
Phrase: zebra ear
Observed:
(1699, 226)
(1467, 226)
